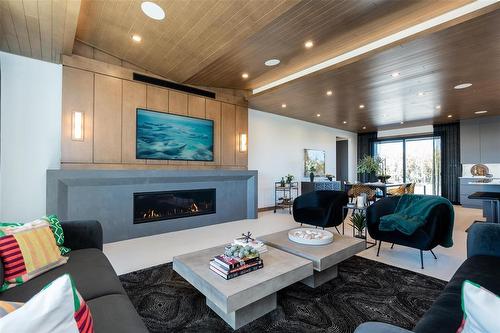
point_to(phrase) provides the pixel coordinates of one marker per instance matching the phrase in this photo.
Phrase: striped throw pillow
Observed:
(58, 308)
(28, 251)
(8, 307)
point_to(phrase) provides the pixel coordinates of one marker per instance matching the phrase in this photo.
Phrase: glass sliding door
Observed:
(422, 166)
(391, 151)
(413, 160)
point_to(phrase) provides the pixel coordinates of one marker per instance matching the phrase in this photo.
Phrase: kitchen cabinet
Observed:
(480, 140)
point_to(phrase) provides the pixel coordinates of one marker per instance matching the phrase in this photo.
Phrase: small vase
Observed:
(311, 176)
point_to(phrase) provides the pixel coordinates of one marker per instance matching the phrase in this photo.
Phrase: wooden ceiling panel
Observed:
(433, 64)
(193, 35)
(40, 29)
(335, 27)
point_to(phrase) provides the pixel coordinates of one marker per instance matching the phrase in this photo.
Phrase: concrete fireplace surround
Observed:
(107, 196)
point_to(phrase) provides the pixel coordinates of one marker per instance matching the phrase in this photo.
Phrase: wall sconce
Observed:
(243, 142)
(77, 122)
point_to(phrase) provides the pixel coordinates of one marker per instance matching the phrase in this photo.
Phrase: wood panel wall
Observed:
(109, 105)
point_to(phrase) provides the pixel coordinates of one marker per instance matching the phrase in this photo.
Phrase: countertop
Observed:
(497, 183)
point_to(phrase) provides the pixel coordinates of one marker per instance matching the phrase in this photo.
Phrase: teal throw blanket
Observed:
(412, 212)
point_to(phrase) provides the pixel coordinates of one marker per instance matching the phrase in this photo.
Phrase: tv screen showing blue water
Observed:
(164, 136)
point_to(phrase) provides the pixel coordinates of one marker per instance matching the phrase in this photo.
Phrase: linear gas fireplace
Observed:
(156, 206)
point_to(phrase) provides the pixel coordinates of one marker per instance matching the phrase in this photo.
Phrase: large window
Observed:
(415, 160)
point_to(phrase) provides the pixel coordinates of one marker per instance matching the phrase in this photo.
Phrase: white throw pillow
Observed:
(55, 309)
(481, 310)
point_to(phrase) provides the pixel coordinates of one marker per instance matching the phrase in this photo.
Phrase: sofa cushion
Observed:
(445, 315)
(90, 269)
(115, 313)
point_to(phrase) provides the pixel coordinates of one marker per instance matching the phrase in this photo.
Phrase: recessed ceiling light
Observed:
(421, 93)
(283, 105)
(364, 127)
(244, 75)
(361, 106)
(318, 115)
(449, 116)
(152, 10)
(271, 62)
(309, 44)
(462, 86)
(481, 112)
(395, 74)
(329, 93)
(136, 38)
(438, 107)
(344, 122)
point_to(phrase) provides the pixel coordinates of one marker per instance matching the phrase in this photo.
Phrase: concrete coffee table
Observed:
(243, 299)
(325, 258)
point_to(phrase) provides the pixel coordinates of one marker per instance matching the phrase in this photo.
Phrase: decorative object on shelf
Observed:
(361, 200)
(314, 159)
(310, 236)
(329, 177)
(358, 223)
(289, 178)
(311, 176)
(282, 182)
(383, 176)
(369, 165)
(479, 170)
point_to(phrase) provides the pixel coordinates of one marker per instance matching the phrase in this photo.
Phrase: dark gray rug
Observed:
(365, 290)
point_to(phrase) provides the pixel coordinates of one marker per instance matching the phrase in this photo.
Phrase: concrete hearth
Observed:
(107, 196)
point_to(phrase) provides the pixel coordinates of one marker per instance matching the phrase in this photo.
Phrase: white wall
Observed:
(30, 136)
(276, 148)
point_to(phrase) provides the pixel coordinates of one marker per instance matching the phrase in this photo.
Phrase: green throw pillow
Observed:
(58, 232)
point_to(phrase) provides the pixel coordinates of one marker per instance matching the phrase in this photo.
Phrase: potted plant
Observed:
(358, 223)
(311, 167)
(289, 178)
(369, 166)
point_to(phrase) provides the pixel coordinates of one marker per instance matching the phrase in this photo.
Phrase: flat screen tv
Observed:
(165, 136)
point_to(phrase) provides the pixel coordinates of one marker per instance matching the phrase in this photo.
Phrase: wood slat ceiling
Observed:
(194, 33)
(433, 64)
(42, 29)
(335, 27)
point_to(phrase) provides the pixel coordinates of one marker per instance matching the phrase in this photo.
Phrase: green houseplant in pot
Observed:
(358, 223)
(369, 166)
(311, 167)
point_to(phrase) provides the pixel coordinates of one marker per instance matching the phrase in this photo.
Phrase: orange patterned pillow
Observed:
(28, 251)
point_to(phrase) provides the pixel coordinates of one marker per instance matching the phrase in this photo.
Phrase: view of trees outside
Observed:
(392, 153)
(423, 158)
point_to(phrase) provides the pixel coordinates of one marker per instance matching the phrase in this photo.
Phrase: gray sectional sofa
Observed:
(482, 266)
(95, 279)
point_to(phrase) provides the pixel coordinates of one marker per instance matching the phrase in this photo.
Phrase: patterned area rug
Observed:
(365, 290)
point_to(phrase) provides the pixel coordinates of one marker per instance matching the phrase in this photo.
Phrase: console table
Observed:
(306, 187)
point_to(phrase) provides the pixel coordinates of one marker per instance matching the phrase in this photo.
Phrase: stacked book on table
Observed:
(242, 256)
(229, 267)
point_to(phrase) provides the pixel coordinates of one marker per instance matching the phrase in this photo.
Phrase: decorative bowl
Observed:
(310, 236)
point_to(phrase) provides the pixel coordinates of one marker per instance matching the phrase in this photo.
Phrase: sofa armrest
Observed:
(82, 234)
(374, 327)
(483, 239)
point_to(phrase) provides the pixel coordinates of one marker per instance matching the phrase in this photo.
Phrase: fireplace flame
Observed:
(194, 208)
(151, 214)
